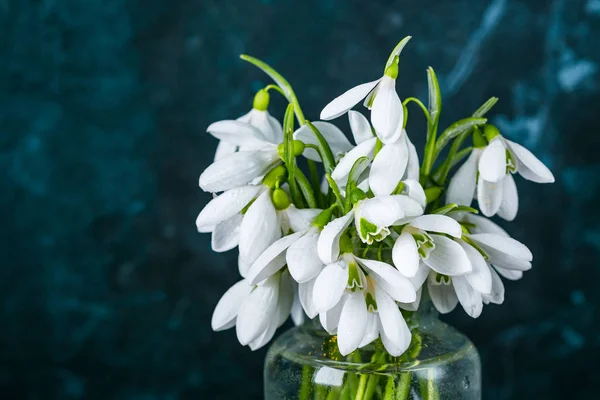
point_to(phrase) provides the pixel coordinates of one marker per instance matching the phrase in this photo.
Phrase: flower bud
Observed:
(280, 198)
(261, 100)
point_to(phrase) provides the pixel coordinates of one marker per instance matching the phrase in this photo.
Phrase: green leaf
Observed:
(445, 209)
(457, 128)
(360, 165)
(397, 50)
(435, 97)
(326, 153)
(306, 189)
(485, 107)
(336, 191)
(466, 209)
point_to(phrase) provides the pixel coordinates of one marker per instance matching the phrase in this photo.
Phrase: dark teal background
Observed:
(106, 288)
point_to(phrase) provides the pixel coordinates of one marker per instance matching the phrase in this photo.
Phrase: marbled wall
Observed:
(106, 288)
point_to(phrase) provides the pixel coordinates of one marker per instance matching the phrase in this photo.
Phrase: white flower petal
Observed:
(260, 228)
(510, 199)
(330, 286)
(353, 323)
(405, 255)
(492, 244)
(238, 133)
(529, 166)
(305, 293)
(413, 168)
(390, 280)
(327, 376)
(413, 306)
(512, 274)
(331, 318)
(225, 206)
(346, 101)
(342, 170)
(496, 295)
(302, 258)
(226, 235)
(382, 211)
(448, 257)
(462, 185)
(360, 127)
(372, 331)
(257, 310)
(270, 127)
(224, 149)
(328, 246)
(297, 312)
(489, 196)
(409, 205)
(388, 168)
(442, 296)
(272, 259)
(285, 299)
(394, 332)
(237, 169)
(263, 338)
(301, 219)
(243, 266)
(387, 113)
(333, 135)
(492, 164)
(421, 276)
(415, 191)
(468, 297)
(438, 223)
(480, 278)
(484, 225)
(228, 306)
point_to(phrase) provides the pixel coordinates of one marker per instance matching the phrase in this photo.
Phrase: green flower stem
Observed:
(390, 387)
(288, 155)
(276, 88)
(306, 188)
(286, 88)
(305, 387)
(362, 386)
(420, 104)
(428, 387)
(316, 183)
(403, 389)
(371, 386)
(325, 150)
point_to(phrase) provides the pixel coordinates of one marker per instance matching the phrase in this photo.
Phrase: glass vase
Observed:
(441, 363)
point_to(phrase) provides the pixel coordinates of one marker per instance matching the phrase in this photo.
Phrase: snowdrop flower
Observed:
(491, 251)
(489, 168)
(424, 240)
(259, 118)
(224, 214)
(350, 290)
(255, 311)
(297, 250)
(394, 162)
(387, 112)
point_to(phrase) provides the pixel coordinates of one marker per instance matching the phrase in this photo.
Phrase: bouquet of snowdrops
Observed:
(314, 246)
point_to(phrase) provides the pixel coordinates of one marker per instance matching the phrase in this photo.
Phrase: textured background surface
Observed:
(106, 289)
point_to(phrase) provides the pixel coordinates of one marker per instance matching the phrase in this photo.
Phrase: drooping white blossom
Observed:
(487, 174)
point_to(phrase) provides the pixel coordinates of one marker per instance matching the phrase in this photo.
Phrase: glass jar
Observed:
(441, 363)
